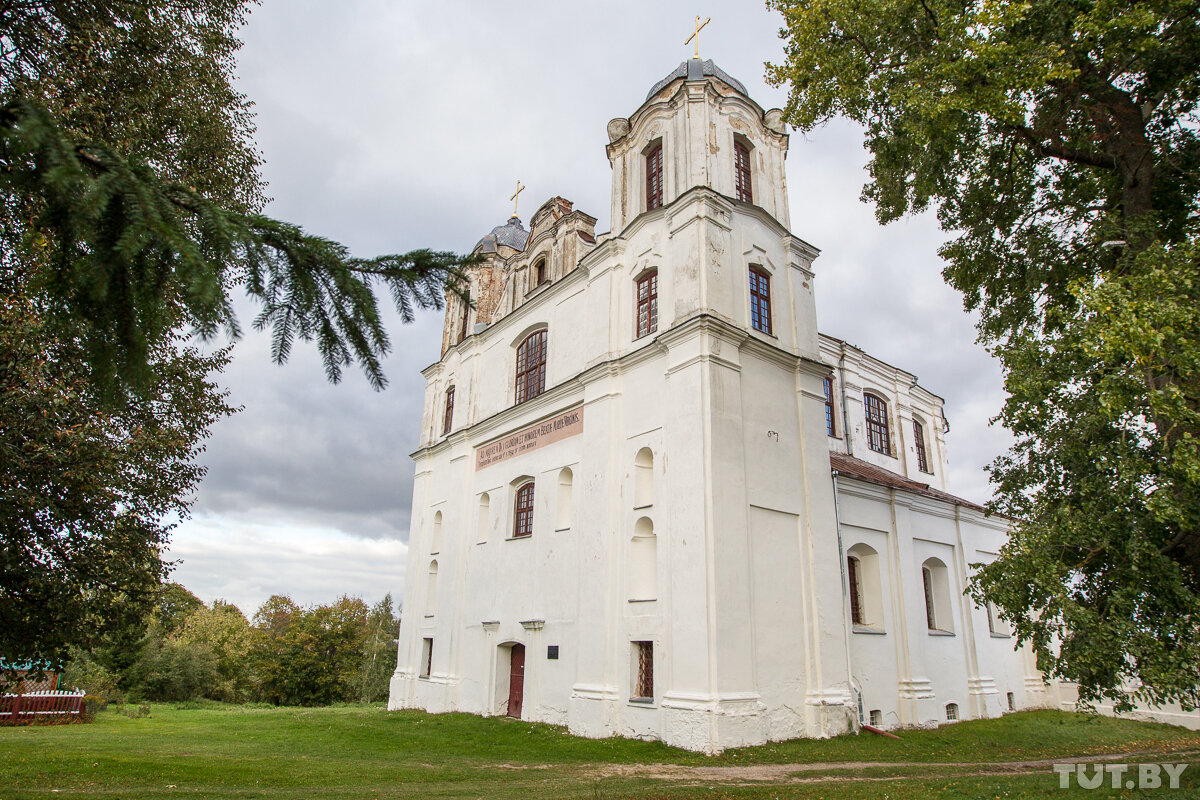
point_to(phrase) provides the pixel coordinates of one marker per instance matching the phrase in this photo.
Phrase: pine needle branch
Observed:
(134, 258)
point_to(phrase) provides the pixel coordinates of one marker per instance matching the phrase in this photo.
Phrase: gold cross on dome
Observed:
(696, 34)
(520, 189)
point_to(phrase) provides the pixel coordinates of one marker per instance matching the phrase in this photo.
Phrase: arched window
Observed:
(562, 511)
(484, 519)
(866, 598)
(828, 387)
(466, 314)
(951, 712)
(540, 272)
(654, 176)
(523, 511)
(875, 409)
(936, 582)
(760, 300)
(643, 557)
(448, 417)
(854, 578)
(435, 542)
(741, 172)
(431, 589)
(919, 441)
(647, 303)
(531, 366)
(643, 478)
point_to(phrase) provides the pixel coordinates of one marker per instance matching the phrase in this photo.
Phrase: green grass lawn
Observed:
(366, 752)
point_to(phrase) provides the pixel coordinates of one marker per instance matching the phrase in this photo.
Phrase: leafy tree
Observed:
(378, 660)
(129, 188)
(276, 615)
(314, 655)
(1058, 140)
(225, 633)
(83, 493)
(170, 670)
(175, 604)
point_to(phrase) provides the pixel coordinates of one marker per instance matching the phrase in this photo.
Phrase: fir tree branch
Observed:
(136, 257)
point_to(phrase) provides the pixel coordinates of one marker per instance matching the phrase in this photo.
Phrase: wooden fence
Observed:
(45, 706)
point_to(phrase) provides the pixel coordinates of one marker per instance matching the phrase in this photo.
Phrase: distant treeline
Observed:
(286, 655)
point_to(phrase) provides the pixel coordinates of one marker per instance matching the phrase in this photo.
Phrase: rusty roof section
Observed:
(855, 468)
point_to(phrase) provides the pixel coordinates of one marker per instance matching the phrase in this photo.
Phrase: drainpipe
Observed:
(837, 517)
(845, 417)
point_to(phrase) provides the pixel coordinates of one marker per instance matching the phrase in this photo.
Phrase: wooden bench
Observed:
(43, 706)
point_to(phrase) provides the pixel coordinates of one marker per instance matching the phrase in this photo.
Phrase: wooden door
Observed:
(516, 680)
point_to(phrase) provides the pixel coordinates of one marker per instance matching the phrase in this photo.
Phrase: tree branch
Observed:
(1061, 151)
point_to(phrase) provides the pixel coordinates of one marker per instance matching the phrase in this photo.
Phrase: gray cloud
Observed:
(392, 126)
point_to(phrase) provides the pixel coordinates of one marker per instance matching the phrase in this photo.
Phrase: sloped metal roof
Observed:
(511, 233)
(694, 70)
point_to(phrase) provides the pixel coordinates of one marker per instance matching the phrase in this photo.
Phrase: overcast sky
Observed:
(392, 125)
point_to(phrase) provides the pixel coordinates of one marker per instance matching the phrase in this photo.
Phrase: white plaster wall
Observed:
(853, 372)
(749, 619)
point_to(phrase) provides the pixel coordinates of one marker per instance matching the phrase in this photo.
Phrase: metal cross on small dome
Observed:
(520, 189)
(696, 34)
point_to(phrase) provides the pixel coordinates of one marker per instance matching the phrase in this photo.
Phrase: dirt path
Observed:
(905, 770)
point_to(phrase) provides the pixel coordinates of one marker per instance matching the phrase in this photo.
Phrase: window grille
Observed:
(644, 690)
(647, 304)
(654, 178)
(741, 160)
(877, 424)
(466, 313)
(448, 418)
(760, 300)
(829, 429)
(523, 518)
(951, 712)
(854, 578)
(919, 439)
(876, 717)
(531, 366)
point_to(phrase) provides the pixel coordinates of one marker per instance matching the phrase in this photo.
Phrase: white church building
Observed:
(652, 500)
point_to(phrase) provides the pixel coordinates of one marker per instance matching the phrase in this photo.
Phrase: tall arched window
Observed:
(654, 176)
(562, 511)
(448, 417)
(431, 589)
(854, 578)
(523, 511)
(936, 581)
(760, 300)
(435, 542)
(878, 437)
(647, 303)
(643, 478)
(643, 566)
(863, 576)
(919, 441)
(828, 388)
(466, 315)
(741, 172)
(531, 366)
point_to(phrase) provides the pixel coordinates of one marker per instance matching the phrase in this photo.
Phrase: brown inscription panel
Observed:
(566, 424)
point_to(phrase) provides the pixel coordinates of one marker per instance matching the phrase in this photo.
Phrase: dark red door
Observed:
(516, 680)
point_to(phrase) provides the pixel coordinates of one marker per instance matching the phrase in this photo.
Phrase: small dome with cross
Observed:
(511, 234)
(694, 70)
